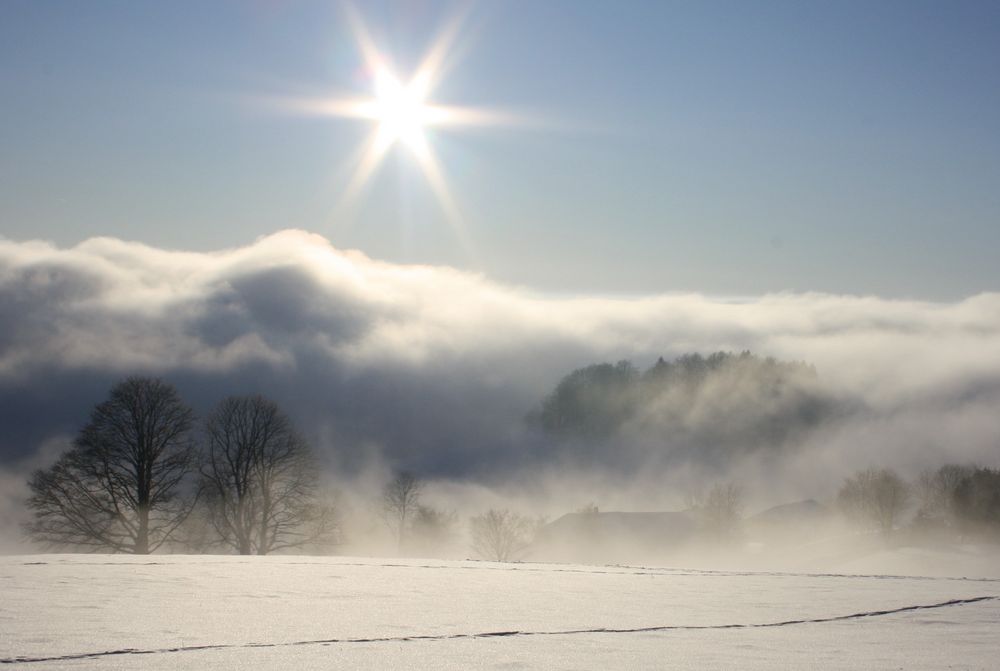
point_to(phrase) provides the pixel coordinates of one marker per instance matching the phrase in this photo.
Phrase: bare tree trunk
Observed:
(142, 533)
(245, 547)
(263, 544)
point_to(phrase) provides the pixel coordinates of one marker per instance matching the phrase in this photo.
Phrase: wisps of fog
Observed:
(434, 370)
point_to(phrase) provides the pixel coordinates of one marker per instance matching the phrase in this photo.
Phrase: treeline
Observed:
(495, 535)
(957, 501)
(722, 402)
(144, 475)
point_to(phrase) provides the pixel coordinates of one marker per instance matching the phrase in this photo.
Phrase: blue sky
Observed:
(727, 148)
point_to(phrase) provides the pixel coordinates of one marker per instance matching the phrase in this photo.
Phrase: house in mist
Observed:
(591, 536)
(792, 524)
(603, 537)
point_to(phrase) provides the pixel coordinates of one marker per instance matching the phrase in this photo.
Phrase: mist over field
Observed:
(388, 367)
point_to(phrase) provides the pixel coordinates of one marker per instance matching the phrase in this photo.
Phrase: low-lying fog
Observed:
(498, 398)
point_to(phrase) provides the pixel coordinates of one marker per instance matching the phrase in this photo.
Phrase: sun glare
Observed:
(401, 112)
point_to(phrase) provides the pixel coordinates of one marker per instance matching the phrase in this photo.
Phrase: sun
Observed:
(401, 111)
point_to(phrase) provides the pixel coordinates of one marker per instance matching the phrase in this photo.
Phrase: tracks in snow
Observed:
(496, 634)
(533, 567)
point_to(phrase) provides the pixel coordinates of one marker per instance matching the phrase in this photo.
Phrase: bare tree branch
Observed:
(259, 480)
(875, 497)
(118, 487)
(400, 500)
(502, 535)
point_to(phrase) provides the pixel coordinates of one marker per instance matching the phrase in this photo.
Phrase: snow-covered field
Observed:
(197, 612)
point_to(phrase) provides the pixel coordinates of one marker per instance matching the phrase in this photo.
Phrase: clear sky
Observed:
(728, 148)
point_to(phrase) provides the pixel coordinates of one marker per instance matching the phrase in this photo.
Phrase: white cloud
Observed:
(125, 305)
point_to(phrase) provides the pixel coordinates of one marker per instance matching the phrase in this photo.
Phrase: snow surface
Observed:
(197, 612)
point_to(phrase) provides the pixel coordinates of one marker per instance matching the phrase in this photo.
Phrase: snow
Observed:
(196, 612)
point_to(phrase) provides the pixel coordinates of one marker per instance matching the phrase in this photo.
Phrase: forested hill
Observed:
(713, 404)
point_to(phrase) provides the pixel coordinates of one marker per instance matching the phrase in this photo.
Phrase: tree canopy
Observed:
(721, 402)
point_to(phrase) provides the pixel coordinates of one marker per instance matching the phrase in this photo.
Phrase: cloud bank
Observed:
(434, 369)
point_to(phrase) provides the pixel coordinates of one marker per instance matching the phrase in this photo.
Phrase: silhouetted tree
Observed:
(591, 402)
(119, 487)
(710, 405)
(977, 501)
(400, 502)
(875, 497)
(259, 480)
(723, 510)
(937, 493)
(502, 535)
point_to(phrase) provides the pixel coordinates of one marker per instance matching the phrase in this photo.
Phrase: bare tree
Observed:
(502, 535)
(723, 509)
(977, 503)
(400, 502)
(259, 480)
(875, 497)
(119, 487)
(937, 491)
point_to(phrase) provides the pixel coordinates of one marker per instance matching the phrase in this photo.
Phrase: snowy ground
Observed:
(180, 612)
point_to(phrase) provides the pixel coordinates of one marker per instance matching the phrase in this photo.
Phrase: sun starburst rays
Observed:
(401, 112)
